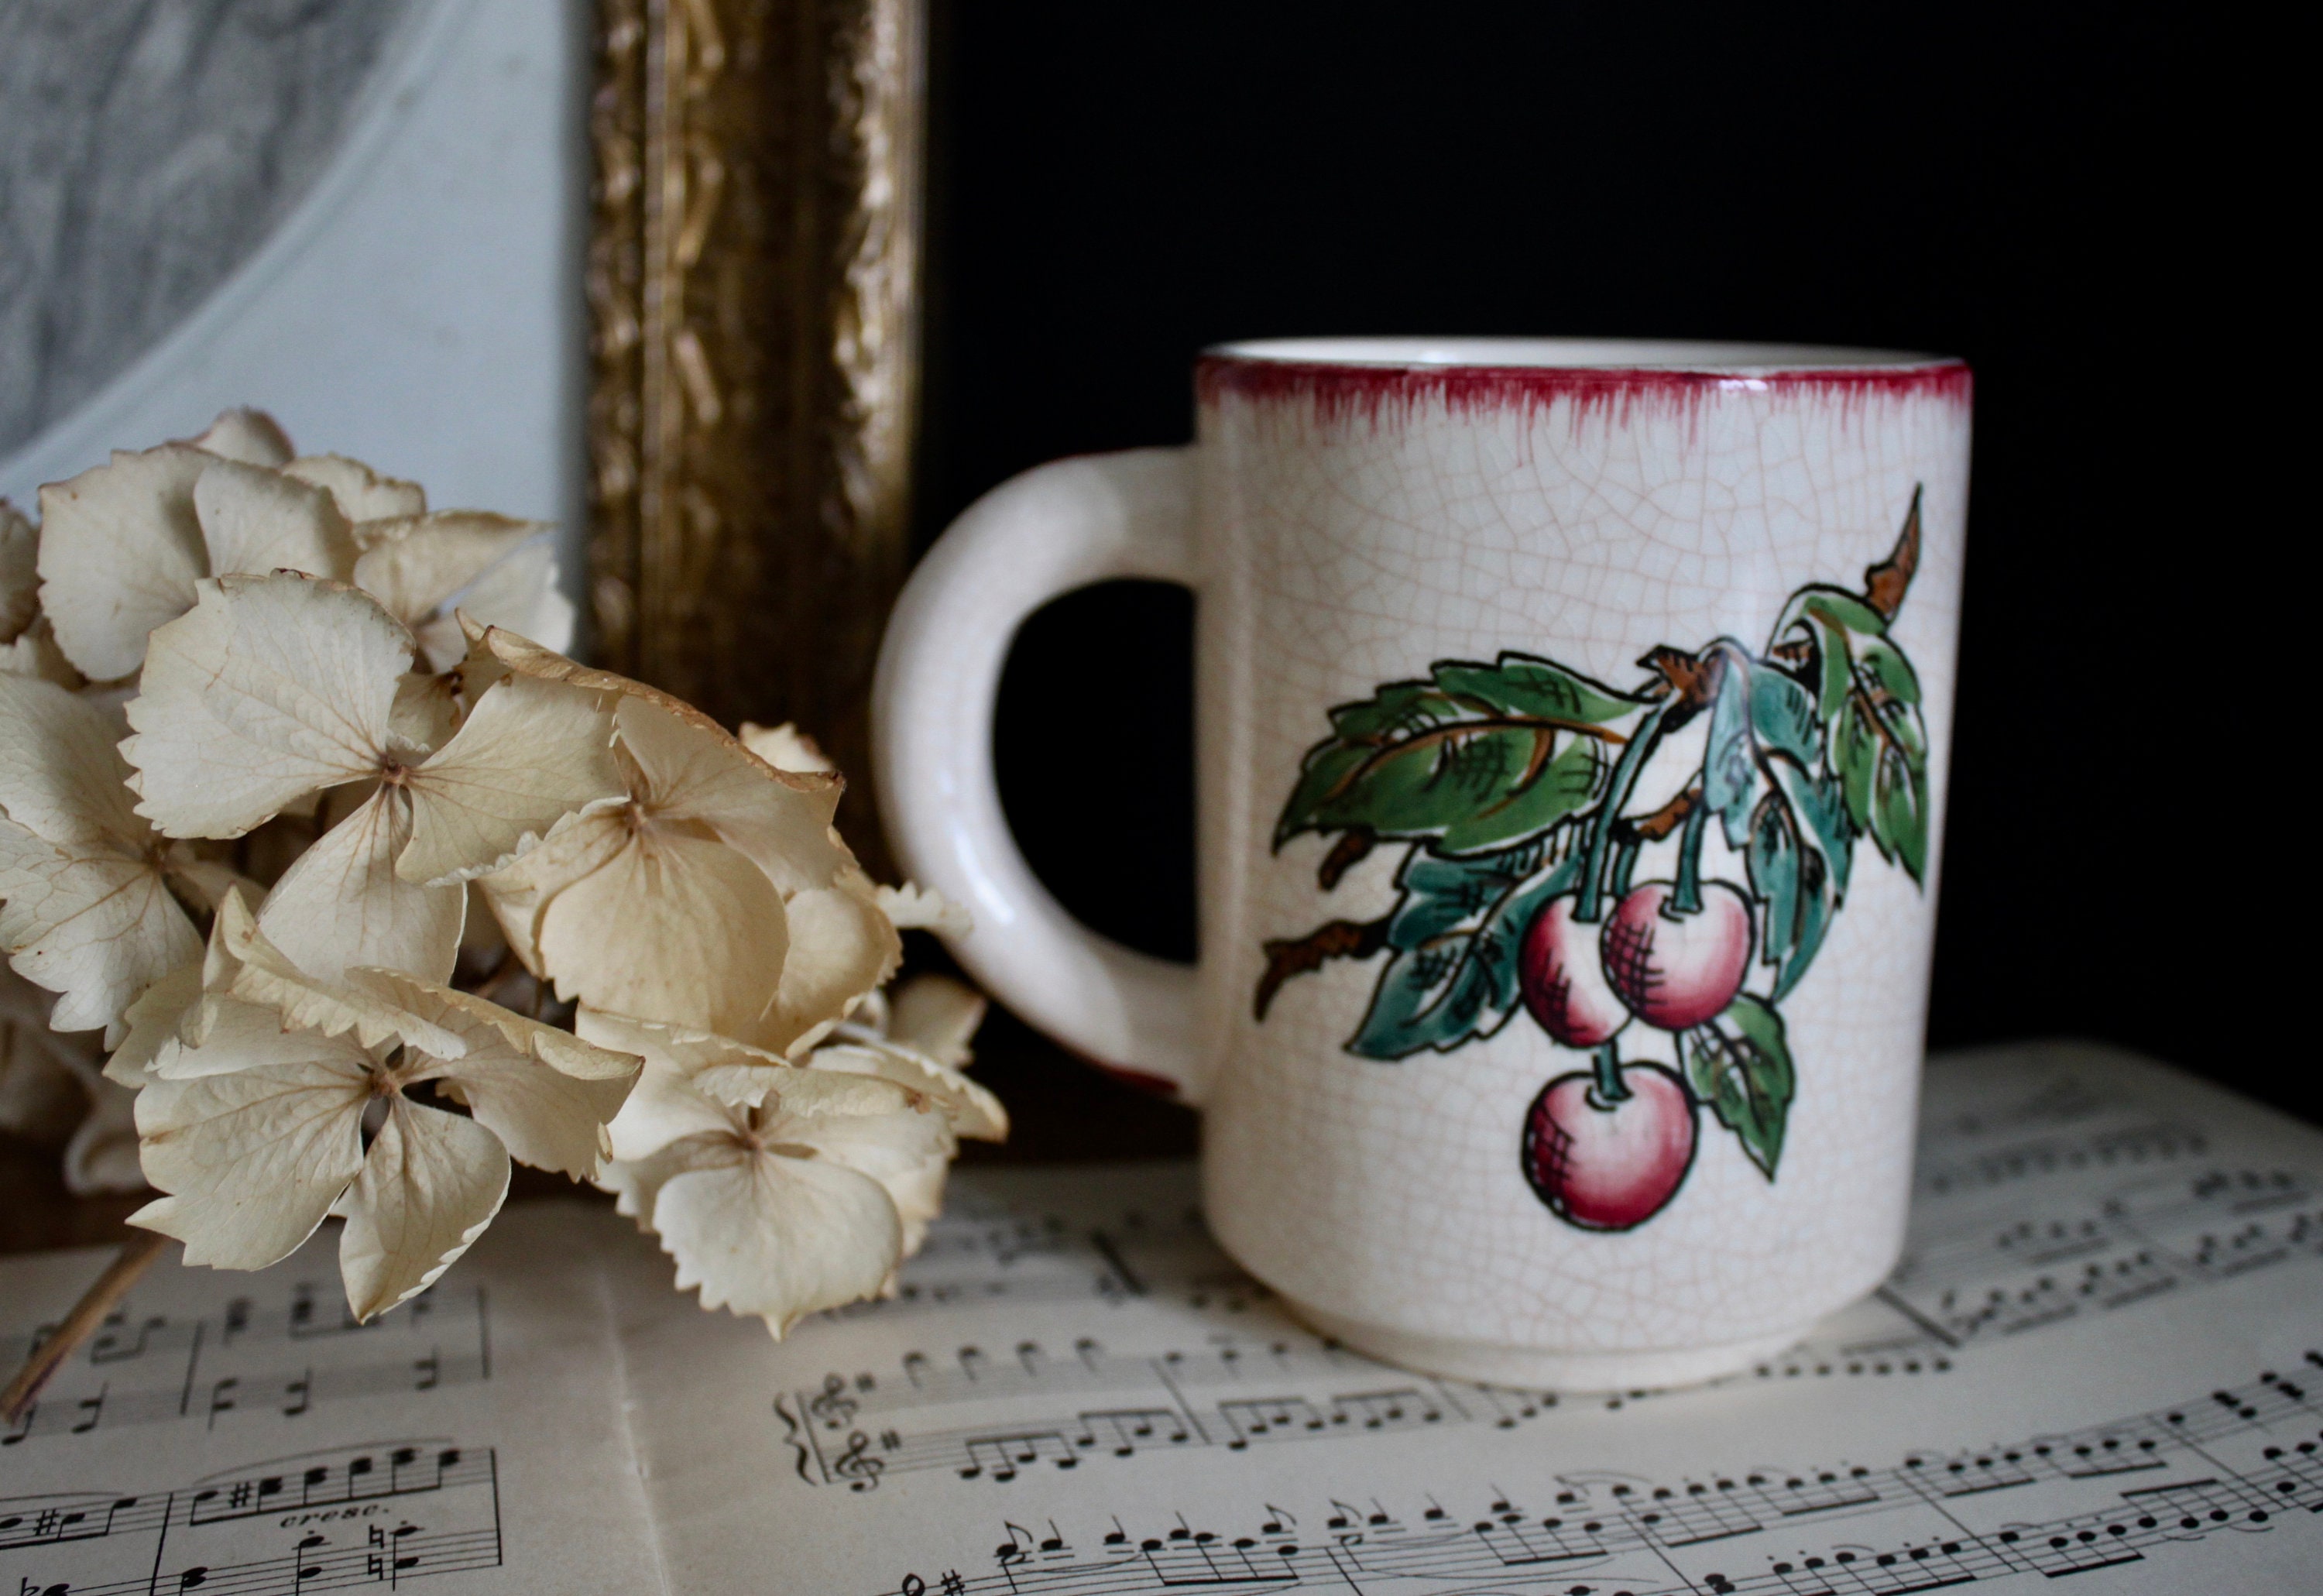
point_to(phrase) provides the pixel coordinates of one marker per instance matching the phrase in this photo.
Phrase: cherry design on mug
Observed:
(1527, 796)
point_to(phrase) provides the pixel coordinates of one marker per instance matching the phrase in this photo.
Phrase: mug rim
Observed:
(1682, 357)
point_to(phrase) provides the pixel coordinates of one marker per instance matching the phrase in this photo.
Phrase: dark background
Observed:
(2038, 190)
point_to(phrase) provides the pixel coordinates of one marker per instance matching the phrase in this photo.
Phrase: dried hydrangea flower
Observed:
(773, 1184)
(273, 688)
(88, 910)
(265, 1128)
(715, 897)
(125, 542)
(122, 543)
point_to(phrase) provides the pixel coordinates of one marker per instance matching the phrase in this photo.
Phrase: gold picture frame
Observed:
(752, 274)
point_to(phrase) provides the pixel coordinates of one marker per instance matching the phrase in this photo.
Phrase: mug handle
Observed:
(1054, 529)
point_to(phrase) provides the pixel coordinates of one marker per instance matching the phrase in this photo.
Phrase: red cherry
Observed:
(1610, 1166)
(1564, 980)
(1675, 971)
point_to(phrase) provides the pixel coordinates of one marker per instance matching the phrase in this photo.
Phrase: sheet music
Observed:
(238, 1433)
(2102, 1356)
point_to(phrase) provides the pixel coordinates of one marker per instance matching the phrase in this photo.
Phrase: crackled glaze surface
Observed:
(1354, 518)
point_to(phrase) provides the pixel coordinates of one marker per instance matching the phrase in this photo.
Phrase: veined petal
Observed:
(242, 965)
(120, 553)
(670, 927)
(418, 566)
(248, 1036)
(544, 1092)
(522, 593)
(832, 1115)
(61, 776)
(362, 494)
(251, 436)
(343, 906)
(781, 820)
(427, 712)
(967, 1108)
(664, 1108)
(255, 520)
(35, 654)
(268, 688)
(778, 1237)
(89, 923)
(430, 1184)
(252, 1159)
(151, 1024)
(530, 755)
(518, 891)
(842, 948)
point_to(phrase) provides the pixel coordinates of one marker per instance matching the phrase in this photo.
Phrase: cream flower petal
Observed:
(427, 712)
(785, 748)
(151, 1024)
(664, 1108)
(780, 819)
(969, 1109)
(430, 1184)
(530, 755)
(544, 1092)
(86, 911)
(881, 1133)
(251, 436)
(842, 946)
(343, 906)
(120, 553)
(673, 927)
(912, 907)
(239, 1035)
(252, 1159)
(242, 965)
(20, 574)
(362, 494)
(778, 1237)
(35, 654)
(523, 593)
(936, 1014)
(61, 776)
(517, 892)
(417, 565)
(255, 520)
(268, 688)
(918, 1196)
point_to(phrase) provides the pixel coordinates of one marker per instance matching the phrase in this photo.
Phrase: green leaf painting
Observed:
(1535, 876)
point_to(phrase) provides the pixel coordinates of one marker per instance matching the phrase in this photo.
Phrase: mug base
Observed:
(1538, 1368)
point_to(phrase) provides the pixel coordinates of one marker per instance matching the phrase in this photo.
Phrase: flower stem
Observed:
(1608, 1088)
(1688, 898)
(136, 1256)
(1588, 907)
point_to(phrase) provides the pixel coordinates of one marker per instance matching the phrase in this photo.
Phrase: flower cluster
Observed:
(294, 781)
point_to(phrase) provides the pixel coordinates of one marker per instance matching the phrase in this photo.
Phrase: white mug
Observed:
(1571, 720)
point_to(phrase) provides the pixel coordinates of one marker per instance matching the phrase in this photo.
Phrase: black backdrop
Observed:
(1117, 185)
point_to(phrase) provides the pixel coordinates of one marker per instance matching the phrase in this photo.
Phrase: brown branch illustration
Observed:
(1886, 583)
(1655, 827)
(1299, 956)
(1349, 851)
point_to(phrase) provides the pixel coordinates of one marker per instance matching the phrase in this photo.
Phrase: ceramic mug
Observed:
(1571, 722)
